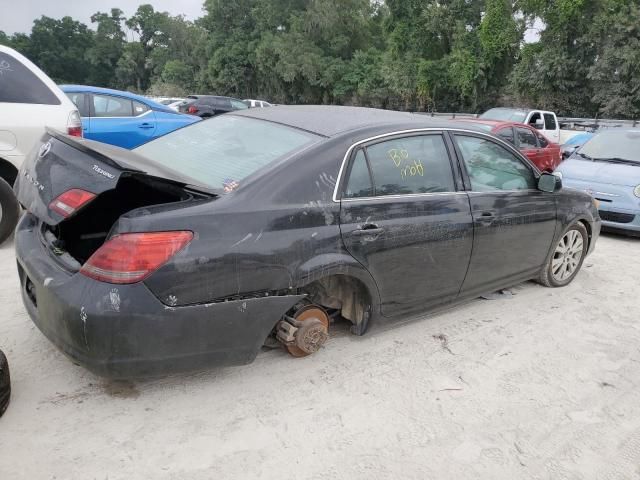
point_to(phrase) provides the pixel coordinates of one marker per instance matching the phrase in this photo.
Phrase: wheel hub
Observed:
(305, 332)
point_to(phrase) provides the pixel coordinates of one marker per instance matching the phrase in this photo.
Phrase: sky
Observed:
(18, 15)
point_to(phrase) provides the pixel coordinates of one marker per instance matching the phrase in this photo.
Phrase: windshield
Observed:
(222, 151)
(505, 114)
(614, 144)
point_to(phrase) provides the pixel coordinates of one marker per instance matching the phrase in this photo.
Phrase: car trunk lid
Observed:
(63, 163)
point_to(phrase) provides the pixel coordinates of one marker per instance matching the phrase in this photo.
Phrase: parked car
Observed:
(29, 102)
(274, 221)
(5, 383)
(171, 102)
(210, 105)
(257, 103)
(122, 118)
(541, 120)
(543, 153)
(574, 143)
(608, 167)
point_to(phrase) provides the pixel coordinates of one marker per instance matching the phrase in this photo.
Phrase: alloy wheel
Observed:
(567, 256)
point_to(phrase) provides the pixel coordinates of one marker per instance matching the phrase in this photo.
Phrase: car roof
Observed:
(330, 121)
(109, 91)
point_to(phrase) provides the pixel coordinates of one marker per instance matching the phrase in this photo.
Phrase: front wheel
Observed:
(566, 260)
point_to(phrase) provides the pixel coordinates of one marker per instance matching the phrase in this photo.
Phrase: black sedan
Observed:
(266, 224)
(206, 106)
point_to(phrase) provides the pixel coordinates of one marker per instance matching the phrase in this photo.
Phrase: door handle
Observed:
(367, 230)
(145, 125)
(486, 217)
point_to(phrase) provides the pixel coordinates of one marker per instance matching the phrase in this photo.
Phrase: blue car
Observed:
(122, 118)
(608, 167)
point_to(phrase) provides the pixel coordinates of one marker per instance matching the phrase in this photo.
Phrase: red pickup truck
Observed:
(541, 151)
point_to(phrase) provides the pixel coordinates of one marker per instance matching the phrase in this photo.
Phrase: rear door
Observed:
(514, 221)
(404, 217)
(120, 121)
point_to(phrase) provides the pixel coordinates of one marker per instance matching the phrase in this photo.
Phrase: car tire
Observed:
(5, 383)
(567, 256)
(9, 210)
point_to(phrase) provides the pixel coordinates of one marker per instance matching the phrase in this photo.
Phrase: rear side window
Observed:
(139, 108)
(359, 184)
(110, 106)
(417, 164)
(526, 138)
(18, 84)
(81, 101)
(506, 134)
(549, 121)
(492, 167)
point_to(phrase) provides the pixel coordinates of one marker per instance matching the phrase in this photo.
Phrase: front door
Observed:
(404, 217)
(514, 222)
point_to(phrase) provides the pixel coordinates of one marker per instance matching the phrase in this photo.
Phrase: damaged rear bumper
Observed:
(124, 331)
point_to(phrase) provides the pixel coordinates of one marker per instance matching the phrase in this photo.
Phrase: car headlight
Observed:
(636, 191)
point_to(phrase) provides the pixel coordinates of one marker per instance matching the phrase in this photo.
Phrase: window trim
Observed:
(350, 169)
(341, 182)
(454, 155)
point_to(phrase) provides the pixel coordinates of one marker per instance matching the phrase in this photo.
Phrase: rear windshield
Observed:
(222, 151)
(18, 84)
(617, 144)
(505, 114)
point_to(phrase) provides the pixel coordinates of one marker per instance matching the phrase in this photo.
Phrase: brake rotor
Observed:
(313, 332)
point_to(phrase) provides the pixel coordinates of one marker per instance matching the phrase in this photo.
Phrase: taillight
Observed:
(71, 201)
(74, 124)
(192, 109)
(132, 257)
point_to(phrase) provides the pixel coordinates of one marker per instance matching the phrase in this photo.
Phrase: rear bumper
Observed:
(124, 331)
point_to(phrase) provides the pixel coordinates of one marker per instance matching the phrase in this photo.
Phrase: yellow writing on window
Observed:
(407, 166)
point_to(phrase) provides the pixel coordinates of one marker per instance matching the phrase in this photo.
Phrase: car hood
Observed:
(600, 172)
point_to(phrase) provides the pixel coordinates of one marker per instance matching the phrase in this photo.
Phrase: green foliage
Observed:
(433, 55)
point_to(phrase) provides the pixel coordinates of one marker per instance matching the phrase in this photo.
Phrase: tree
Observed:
(108, 47)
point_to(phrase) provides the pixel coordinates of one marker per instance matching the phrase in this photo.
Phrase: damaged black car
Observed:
(263, 225)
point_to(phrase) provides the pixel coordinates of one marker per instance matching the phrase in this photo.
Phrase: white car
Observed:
(257, 103)
(544, 121)
(29, 102)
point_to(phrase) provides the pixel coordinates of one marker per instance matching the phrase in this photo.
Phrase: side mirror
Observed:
(549, 182)
(538, 124)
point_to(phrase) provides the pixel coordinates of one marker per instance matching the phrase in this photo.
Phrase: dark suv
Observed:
(209, 105)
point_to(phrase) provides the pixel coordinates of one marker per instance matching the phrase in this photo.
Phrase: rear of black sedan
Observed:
(197, 247)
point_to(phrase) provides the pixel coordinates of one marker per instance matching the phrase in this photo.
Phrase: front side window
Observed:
(506, 134)
(549, 121)
(110, 106)
(544, 143)
(238, 105)
(222, 151)
(18, 84)
(409, 165)
(492, 167)
(526, 138)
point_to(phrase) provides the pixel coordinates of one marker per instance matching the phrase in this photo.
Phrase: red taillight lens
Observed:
(71, 201)
(74, 124)
(132, 257)
(192, 109)
(74, 131)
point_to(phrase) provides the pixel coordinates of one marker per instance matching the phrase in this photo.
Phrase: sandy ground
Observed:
(541, 385)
